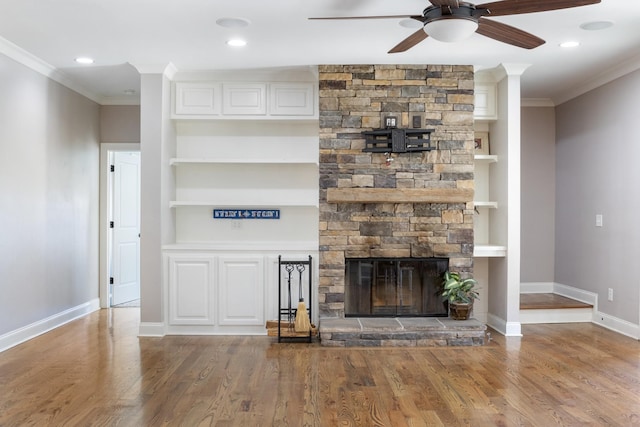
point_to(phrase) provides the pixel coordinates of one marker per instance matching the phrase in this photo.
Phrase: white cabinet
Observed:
(201, 99)
(191, 290)
(211, 291)
(291, 99)
(241, 293)
(245, 100)
(485, 107)
(242, 99)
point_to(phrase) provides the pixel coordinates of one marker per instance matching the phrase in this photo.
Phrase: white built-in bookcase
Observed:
(248, 144)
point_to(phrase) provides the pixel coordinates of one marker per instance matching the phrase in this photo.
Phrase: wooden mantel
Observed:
(399, 195)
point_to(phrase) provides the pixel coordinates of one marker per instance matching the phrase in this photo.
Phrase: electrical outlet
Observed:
(417, 120)
(610, 294)
(599, 220)
(236, 224)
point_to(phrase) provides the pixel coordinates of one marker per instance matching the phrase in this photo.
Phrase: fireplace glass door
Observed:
(394, 287)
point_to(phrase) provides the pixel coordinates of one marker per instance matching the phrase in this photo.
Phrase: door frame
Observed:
(105, 204)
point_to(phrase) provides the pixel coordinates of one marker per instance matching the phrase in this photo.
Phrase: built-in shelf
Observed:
(489, 158)
(275, 204)
(488, 251)
(485, 204)
(186, 161)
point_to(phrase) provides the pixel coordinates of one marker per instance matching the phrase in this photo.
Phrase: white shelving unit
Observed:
(248, 164)
(239, 161)
(484, 205)
(239, 145)
(497, 249)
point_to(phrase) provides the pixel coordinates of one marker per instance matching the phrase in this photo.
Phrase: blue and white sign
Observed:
(246, 213)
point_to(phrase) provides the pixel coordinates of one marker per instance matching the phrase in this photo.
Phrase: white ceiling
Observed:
(118, 33)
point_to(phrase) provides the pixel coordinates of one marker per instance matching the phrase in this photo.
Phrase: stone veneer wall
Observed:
(354, 98)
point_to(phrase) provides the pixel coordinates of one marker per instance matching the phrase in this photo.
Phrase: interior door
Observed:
(126, 228)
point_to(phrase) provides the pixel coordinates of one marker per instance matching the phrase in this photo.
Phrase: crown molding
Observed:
(36, 64)
(120, 100)
(620, 70)
(168, 70)
(537, 102)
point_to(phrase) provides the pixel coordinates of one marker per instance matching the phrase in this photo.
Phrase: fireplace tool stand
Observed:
(287, 313)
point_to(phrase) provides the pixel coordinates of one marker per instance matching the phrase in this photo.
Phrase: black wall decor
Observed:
(398, 140)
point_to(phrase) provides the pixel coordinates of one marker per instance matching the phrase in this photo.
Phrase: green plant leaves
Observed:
(458, 290)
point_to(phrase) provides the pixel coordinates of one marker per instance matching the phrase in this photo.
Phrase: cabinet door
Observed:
(197, 98)
(244, 99)
(241, 291)
(191, 290)
(291, 99)
(485, 102)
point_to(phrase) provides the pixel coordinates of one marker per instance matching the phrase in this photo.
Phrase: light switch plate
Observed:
(599, 220)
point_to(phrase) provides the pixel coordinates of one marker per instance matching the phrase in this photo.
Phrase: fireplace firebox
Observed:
(394, 287)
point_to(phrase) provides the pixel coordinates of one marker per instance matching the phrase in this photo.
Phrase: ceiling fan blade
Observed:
(410, 41)
(450, 3)
(418, 17)
(508, 34)
(514, 7)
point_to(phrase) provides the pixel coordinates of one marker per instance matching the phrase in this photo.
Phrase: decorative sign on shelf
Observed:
(246, 213)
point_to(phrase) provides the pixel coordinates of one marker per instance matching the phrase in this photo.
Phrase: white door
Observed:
(126, 228)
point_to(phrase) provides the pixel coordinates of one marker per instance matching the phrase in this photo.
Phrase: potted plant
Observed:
(460, 293)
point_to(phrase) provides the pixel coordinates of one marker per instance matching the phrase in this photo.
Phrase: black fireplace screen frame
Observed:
(395, 287)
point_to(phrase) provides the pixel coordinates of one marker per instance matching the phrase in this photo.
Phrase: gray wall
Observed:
(49, 197)
(538, 196)
(598, 143)
(120, 123)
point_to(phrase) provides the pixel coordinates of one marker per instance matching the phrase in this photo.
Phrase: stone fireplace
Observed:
(393, 206)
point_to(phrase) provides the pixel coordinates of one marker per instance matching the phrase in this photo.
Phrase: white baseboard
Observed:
(536, 287)
(576, 294)
(18, 336)
(514, 329)
(497, 323)
(151, 329)
(508, 329)
(617, 325)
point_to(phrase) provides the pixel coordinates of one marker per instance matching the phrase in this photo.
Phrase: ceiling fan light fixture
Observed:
(450, 30)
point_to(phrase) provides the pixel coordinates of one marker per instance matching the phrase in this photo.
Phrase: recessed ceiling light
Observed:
(411, 23)
(233, 22)
(129, 92)
(84, 60)
(570, 44)
(236, 42)
(596, 25)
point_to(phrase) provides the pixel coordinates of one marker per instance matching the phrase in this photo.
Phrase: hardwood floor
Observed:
(96, 372)
(549, 301)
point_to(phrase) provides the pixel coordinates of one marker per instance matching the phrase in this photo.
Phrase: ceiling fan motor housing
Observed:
(451, 24)
(463, 11)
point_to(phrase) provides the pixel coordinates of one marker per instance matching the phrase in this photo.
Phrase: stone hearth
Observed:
(401, 332)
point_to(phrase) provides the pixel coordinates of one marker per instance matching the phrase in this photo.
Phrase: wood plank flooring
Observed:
(95, 371)
(549, 301)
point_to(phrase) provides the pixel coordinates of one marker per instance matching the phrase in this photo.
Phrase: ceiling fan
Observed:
(454, 20)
